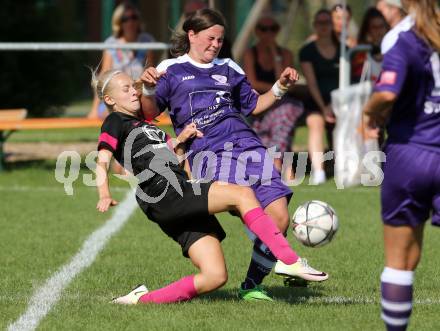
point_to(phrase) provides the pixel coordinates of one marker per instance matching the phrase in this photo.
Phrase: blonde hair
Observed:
(427, 19)
(101, 83)
(118, 13)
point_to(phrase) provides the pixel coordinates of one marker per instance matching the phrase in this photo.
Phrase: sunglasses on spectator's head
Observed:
(267, 28)
(133, 17)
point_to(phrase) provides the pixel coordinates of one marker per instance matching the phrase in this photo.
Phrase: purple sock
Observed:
(396, 287)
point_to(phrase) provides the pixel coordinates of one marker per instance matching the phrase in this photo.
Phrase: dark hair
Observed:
(320, 12)
(198, 21)
(327, 12)
(370, 14)
(267, 17)
(340, 6)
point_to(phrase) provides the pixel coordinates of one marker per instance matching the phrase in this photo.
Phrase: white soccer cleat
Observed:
(300, 269)
(133, 297)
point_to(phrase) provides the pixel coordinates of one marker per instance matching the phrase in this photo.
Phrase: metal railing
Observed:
(78, 46)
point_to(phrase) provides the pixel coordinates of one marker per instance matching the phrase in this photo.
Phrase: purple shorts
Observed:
(247, 164)
(411, 186)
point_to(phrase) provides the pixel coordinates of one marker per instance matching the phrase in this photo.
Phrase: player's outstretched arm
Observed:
(149, 78)
(102, 166)
(287, 78)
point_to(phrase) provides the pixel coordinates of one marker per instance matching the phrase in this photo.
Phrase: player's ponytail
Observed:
(200, 20)
(427, 19)
(179, 43)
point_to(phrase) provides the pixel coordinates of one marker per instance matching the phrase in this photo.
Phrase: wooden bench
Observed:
(12, 120)
(12, 114)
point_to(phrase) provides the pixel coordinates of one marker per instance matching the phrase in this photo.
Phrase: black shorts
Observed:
(185, 218)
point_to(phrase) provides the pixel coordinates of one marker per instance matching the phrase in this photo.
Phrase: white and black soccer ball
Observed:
(315, 223)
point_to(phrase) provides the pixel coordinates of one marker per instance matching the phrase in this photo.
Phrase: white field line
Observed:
(45, 297)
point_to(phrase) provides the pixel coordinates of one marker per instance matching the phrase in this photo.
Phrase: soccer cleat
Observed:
(300, 269)
(254, 294)
(133, 297)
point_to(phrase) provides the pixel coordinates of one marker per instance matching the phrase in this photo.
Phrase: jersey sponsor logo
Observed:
(223, 96)
(209, 105)
(188, 77)
(220, 80)
(387, 78)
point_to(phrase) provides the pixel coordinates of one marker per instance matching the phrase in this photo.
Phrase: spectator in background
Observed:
(396, 17)
(126, 27)
(338, 22)
(373, 29)
(263, 63)
(320, 66)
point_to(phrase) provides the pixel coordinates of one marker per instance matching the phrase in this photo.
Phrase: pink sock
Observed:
(264, 227)
(182, 290)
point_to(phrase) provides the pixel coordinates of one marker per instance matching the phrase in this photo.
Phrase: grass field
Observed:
(42, 228)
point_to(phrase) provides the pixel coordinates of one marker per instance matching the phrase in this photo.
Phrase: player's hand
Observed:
(151, 76)
(368, 128)
(190, 131)
(329, 115)
(288, 77)
(105, 203)
(138, 87)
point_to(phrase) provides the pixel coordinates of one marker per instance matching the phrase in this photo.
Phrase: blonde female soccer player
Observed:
(183, 210)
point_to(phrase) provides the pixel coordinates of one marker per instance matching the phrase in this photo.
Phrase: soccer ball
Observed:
(314, 223)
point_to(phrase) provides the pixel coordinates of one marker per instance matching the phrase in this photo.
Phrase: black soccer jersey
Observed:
(140, 147)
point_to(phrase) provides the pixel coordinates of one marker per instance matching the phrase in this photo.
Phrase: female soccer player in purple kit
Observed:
(409, 87)
(197, 87)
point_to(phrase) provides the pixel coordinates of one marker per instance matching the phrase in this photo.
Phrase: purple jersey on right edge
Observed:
(411, 69)
(410, 192)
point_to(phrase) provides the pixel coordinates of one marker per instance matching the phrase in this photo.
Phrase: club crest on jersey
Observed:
(154, 134)
(220, 80)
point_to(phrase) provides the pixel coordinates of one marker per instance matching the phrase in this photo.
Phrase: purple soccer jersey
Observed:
(411, 188)
(411, 69)
(216, 96)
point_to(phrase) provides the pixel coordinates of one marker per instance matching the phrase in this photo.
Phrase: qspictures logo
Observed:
(220, 167)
